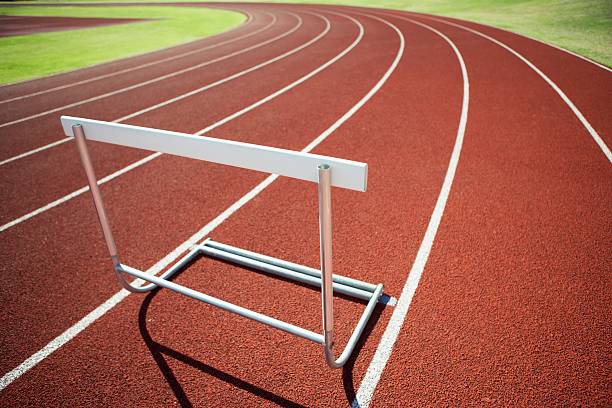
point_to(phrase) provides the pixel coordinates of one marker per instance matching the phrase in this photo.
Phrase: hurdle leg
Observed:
(79, 136)
(325, 235)
(327, 291)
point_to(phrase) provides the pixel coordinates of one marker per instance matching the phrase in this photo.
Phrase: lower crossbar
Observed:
(341, 284)
(300, 273)
(230, 307)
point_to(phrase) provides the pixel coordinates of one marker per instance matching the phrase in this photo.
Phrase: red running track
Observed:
(511, 308)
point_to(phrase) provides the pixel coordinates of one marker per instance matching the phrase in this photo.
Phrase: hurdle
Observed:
(326, 171)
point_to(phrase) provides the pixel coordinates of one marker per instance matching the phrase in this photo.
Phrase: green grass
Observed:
(582, 26)
(36, 55)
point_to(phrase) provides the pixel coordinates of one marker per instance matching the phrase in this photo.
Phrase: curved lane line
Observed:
(582, 57)
(94, 315)
(153, 156)
(602, 145)
(153, 80)
(385, 346)
(293, 84)
(166, 102)
(148, 64)
(565, 50)
(597, 64)
(34, 151)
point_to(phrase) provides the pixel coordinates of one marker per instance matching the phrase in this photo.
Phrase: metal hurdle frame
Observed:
(305, 166)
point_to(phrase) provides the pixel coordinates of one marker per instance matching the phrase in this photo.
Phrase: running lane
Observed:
(513, 306)
(574, 75)
(204, 361)
(35, 295)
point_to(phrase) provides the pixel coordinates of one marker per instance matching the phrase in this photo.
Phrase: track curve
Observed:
(510, 307)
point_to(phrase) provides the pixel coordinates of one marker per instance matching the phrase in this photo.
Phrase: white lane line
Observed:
(385, 346)
(172, 100)
(155, 155)
(156, 79)
(78, 192)
(193, 92)
(149, 64)
(602, 145)
(34, 151)
(582, 57)
(82, 324)
(238, 74)
(293, 84)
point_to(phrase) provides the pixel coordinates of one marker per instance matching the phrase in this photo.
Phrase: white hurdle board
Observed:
(326, 171)
(347, 173)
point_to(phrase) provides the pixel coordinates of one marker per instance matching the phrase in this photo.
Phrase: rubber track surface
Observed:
(513, 306)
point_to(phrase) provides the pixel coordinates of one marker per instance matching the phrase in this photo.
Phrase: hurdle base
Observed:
(343, 285)
(288, 270)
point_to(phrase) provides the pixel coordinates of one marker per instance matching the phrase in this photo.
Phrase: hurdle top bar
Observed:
(347, 174)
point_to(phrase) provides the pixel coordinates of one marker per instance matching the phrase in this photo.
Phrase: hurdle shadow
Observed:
(159, 352)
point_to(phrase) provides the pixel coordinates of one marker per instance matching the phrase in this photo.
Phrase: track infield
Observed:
(152, 28)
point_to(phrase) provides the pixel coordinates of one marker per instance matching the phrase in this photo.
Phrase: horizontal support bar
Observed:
(346, 173)
(290, 265)
(230, 307)
(285, 273)
(180, 264)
